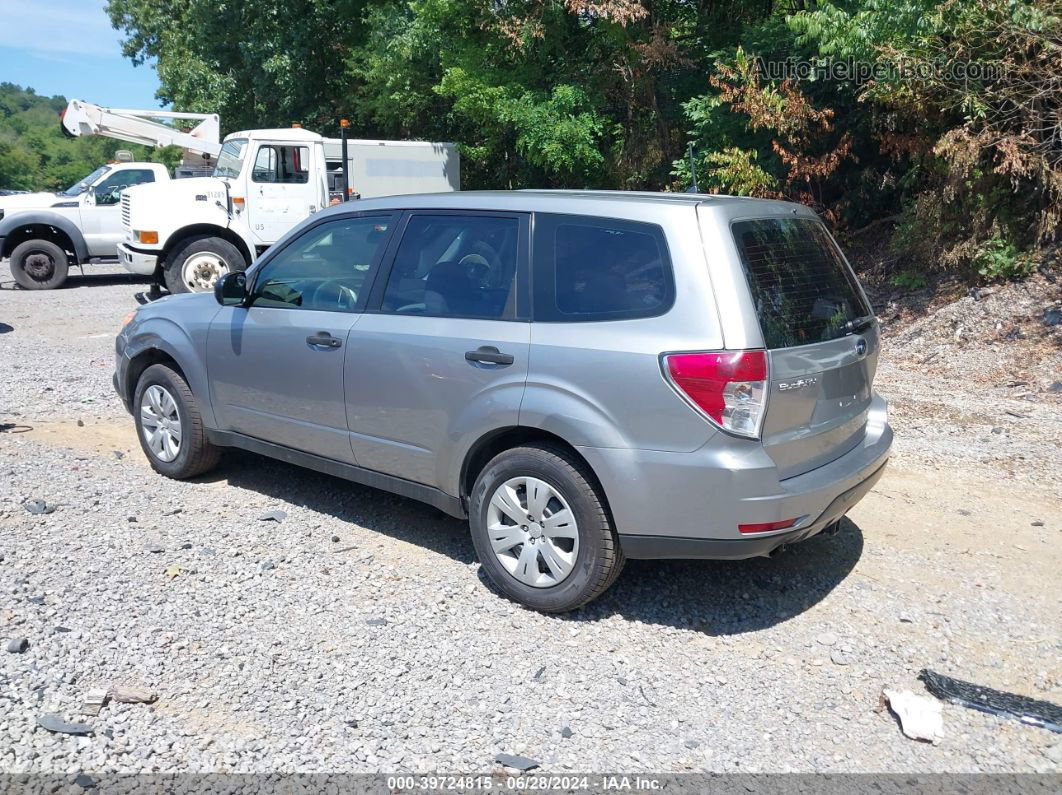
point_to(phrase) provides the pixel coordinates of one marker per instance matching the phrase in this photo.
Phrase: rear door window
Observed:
(588, 269)
(455, 266)
(802, 289)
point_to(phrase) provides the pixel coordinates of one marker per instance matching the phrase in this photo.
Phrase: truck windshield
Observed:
(80, 186)
(230, 159)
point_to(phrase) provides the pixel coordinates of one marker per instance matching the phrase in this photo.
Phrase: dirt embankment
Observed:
(973, 373)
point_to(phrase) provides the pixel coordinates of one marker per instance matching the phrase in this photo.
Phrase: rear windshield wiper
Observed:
(859, 324)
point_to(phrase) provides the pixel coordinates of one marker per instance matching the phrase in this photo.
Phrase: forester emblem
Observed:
(800, 383)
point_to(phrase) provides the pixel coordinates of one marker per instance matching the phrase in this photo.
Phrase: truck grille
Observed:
(125, 210)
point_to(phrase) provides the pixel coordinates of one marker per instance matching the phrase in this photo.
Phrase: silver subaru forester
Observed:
(586, 376)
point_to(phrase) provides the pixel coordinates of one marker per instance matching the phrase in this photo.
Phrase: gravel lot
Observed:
(358, 635)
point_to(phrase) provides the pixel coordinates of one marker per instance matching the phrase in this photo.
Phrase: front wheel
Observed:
(39, 265)
(541, 529)
(169, 425)
(197, 263)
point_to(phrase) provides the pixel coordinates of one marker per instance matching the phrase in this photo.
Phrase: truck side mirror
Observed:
(231, 289)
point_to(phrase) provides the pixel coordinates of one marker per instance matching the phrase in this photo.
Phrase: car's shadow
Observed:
(713, 597)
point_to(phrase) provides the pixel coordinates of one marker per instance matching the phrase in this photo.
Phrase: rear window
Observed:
(589, 269)
(801, 287)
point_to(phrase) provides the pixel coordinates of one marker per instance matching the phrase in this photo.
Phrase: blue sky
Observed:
(68, 47)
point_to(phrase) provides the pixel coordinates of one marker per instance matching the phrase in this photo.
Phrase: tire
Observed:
(39, 265)
(194, 453)
(595, 562)
(195, 264)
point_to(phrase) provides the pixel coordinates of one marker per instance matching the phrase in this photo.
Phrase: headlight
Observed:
(128, 318)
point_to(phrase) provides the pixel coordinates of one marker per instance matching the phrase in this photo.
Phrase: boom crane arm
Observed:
(200, 144)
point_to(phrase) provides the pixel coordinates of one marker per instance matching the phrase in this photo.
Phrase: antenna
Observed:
(693, 169)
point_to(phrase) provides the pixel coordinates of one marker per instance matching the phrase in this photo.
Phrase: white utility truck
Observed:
(45, 233)
(190, 232)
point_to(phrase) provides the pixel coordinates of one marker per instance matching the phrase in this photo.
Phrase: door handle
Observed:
(489, 354)
(324, 339)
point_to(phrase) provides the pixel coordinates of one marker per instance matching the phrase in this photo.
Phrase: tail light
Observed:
(730, 388)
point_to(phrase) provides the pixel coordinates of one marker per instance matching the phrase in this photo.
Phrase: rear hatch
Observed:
(821, 339)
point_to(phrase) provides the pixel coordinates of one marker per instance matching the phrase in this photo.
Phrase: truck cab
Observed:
(43, 234)
(190, 232)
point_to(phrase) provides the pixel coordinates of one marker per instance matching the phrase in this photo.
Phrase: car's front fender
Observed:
(186, 347)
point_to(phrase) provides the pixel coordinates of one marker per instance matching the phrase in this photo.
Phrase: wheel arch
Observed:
(501, 439)
(185, 233)
(141, 362)
(17, 229)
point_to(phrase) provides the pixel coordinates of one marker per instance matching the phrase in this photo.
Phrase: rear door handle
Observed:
(324, 339)
(489, 354)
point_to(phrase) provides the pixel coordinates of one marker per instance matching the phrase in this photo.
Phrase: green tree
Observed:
(607, 93)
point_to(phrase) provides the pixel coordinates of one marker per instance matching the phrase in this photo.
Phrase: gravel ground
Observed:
(357, 634)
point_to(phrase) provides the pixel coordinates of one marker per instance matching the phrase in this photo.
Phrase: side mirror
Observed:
(231, 289)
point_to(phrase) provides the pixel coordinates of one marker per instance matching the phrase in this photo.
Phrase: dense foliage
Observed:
(36, 155)
(956, 133)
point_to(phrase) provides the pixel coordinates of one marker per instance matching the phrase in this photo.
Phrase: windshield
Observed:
(230, 160)
(81, 185)
(802, 288)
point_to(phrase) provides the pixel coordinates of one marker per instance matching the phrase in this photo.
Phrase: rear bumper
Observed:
(642, 547)
(134, 261)
(689, 505)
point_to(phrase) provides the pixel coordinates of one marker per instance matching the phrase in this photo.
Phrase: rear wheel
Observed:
(169, 425)
(196, 264)
(541, 530)
(39, 265)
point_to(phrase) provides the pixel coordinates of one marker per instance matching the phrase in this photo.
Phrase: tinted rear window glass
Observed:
(599, 269)
(455, 266)
(802, 289)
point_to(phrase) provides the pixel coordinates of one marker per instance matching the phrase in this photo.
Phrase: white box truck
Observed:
(187, 233)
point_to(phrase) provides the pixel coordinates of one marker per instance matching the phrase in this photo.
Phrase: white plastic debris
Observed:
(93, 702)
(921, 717)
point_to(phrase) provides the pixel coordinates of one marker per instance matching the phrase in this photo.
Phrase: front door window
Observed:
(109, 190)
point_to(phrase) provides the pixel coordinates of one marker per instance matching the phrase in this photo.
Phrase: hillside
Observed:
(34, 152)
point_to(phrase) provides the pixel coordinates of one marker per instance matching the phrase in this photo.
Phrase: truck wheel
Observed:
(194, 265)
(39, 265)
